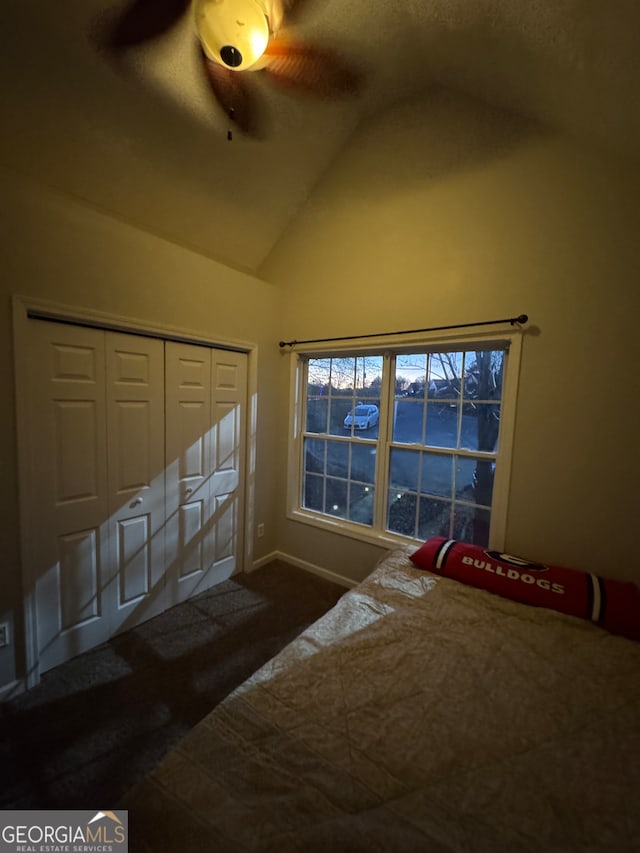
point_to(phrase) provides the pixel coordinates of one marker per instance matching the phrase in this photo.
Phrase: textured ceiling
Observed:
(153, 150)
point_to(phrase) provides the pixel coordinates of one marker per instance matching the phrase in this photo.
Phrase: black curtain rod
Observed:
(520, 320)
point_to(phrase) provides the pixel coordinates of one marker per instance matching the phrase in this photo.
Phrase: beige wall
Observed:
(56, 249)
(443, 211)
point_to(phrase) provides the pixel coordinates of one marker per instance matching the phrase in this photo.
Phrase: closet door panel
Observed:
(135, 567)
(78, 580)
(205, 399)
(193, 556)
(135, 452)
(67, 553)
(229, 380)
(188, 467)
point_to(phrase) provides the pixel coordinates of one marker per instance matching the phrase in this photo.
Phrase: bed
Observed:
(419, 714)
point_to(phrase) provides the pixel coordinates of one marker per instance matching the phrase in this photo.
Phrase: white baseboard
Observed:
(327, 574)
(258, 564)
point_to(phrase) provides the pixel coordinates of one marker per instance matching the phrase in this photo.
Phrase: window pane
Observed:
(465, 479)
(339, 409)
(336, 497)
(335, 386)
(361, 503)
(342, 372)
(363, 462)
(484, 371)
(434, 518)
(313, 492)
(404, 468)
(483, 479)
(314, 454)
(437, 474)
(445, 375)
(338, 458)
(329, 483)
(480, 426)
(401, 513)
(407, 421)
(317, 410)
(474, 480)
(471, 524)
(372, 376)
(411, 372)
(442, 425)
(318, 376)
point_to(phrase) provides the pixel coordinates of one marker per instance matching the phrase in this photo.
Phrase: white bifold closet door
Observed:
(206, 393)
(135, 483)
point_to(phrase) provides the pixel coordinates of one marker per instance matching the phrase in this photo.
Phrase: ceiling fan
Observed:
(235, 37)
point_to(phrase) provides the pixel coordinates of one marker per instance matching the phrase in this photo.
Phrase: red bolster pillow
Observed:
(612, 604)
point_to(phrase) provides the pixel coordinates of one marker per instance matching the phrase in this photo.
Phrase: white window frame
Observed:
(511, 340)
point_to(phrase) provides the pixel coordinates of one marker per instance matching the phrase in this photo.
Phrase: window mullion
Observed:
(298, 426)
(384, 441)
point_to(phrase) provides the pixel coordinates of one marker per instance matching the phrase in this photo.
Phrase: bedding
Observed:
(419, 714)
(612, 604)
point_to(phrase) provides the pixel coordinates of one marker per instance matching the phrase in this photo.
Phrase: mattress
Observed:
(419, 714)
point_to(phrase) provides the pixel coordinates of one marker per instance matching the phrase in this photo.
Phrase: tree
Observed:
(401, 384)
(345, 373)
(375, 385)
(485, 383)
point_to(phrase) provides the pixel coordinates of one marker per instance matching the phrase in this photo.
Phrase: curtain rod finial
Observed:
(522, 318)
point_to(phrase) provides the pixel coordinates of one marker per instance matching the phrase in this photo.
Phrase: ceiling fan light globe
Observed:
(232, 31)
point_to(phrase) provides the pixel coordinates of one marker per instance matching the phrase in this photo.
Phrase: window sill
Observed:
(340, 527)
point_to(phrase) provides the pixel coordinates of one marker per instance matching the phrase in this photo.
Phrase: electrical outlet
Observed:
(4, 634)
(260, 531)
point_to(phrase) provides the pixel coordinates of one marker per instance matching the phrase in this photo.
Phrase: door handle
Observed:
(136, 502)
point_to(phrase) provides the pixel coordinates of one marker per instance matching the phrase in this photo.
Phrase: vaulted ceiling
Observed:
(152, 148)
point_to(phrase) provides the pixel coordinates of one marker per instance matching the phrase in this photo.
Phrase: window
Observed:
(408, 443)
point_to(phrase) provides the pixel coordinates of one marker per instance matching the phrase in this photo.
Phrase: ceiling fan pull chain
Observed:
(230, 132)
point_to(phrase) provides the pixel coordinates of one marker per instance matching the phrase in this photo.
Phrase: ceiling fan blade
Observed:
(310, 69)
(233, 94)
(143, 20)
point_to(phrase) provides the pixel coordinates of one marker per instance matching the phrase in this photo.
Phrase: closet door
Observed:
(96, 485)
(228, 408)
(67, 548)
(134, 487)
(135, 453)
(189, 536)
(205, 412)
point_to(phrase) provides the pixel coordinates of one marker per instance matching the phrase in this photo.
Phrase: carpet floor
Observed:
(97, 724)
